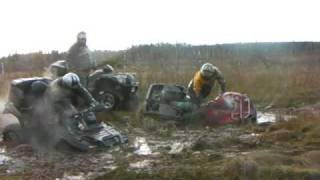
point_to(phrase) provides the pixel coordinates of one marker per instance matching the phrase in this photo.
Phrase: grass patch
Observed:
(301, 131)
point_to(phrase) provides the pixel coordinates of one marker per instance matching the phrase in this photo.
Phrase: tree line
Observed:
(178, 54)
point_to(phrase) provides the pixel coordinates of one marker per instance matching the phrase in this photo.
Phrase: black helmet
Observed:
(108, 68)
(59, 68)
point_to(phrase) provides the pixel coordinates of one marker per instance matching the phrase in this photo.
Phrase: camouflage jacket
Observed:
(64, 96)
(79, 58)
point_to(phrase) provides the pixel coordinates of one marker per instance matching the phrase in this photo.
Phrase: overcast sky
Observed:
(34, 25)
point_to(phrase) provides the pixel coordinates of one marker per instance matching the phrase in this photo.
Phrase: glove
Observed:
(97, 107)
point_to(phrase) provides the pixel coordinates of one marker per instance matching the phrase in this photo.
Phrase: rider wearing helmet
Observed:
(203, 81)
(58, 69)
(66, 89)
(79, 58)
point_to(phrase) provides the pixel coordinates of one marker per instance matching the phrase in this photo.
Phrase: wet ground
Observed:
(147, 152)
(142, 153)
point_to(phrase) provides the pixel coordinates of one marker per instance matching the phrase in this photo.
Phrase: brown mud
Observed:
(281, 150)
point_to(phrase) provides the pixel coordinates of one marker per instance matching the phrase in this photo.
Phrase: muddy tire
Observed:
(13, 134)
(109, 99)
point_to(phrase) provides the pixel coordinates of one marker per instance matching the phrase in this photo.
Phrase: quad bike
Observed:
(171, 102)
(80, 131)
(119, 90)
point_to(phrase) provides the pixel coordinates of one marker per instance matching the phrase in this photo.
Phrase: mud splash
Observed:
(3, 157)
(141, 146)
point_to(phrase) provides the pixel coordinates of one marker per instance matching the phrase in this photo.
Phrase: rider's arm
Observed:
(85, 94)
(221, 81)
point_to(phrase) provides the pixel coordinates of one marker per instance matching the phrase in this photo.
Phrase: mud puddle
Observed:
(142, 153)
(145, 152)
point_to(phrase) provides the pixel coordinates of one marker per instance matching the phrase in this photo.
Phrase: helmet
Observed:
(59, 68)
(108, 68)
(38, 88)
(71, 80)
(82, 35)
(207, 70)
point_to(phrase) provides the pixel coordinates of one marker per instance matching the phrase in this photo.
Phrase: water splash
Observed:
(66, 176)
(263, 118)
(3, 158)
(141, 146)
(266, 118)
(178, 147)
(141, 164)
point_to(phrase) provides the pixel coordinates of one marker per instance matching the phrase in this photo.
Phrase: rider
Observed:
(203, 81)
(58, 69)
(79, 58)
(65, 90)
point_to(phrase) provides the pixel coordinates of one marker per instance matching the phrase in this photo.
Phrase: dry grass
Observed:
(279, 85)
(300, 132)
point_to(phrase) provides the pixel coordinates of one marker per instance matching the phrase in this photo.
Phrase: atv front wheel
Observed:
(108, 99)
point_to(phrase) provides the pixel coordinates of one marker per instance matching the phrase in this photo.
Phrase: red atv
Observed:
(171, 102)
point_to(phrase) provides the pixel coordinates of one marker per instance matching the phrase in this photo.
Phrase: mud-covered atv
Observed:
(119, 90)
(171, 102)
(80, 131)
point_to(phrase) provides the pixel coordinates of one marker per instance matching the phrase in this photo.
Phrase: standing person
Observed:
(203, 81)
(79, 58)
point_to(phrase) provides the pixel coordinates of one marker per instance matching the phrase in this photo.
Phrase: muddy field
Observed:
(248, 151)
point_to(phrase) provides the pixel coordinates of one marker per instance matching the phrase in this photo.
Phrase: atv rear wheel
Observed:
(13, 134)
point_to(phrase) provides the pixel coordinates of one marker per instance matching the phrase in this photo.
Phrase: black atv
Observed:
(119, 90)
(79, 131)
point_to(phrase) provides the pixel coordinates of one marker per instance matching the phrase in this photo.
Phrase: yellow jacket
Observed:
(201, 86)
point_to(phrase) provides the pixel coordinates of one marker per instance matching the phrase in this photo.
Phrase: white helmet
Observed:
(71, 80)
(207, 70)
